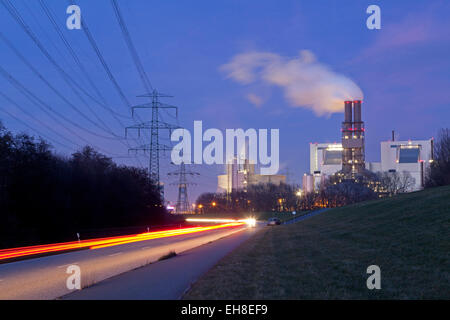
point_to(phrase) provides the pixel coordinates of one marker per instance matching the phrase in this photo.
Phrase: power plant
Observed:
(353, 160)
(347, 158)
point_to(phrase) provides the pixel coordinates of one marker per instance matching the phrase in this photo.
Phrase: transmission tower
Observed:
(154, 147)
(182, 205)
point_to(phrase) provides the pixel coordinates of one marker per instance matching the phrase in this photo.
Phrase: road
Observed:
(164, 280)
(305, 216)
(169, 279)
(45, 277)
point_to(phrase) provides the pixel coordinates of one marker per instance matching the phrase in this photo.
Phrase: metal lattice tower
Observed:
(183, 205)
(154, 125)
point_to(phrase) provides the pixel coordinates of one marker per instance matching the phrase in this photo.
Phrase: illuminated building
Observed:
(240, 176)
(411, 157)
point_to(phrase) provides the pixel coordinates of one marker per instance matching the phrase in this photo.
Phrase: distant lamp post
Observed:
(280, 202)
(213, 204)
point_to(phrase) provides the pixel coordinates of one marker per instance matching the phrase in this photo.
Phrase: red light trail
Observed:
(106, 242)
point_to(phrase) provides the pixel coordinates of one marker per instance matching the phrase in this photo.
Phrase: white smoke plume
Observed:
(306, 82)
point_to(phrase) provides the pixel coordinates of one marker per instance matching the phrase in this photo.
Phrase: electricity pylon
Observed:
(182, 205)
(154, 147)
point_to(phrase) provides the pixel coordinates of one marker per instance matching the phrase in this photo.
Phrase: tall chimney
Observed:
(346, 137)
(348, 111)
(353, 160)
(357, 111)
(393, 135)
(358, 133)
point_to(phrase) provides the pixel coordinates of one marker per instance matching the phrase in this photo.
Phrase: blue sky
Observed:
(403, 69)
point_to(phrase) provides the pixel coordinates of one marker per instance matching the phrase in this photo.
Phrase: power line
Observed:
(72, 52)
(103, 62)
(48, 84)
(41, 104)
(76, 59)
(15, 14)
(10, 100)
(31, 12)
(137, 62)
(74, 56)
(34, 129)
(68, 79)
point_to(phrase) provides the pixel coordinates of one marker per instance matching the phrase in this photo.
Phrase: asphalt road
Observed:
(306, 216)
(45, 277)
(167, 279)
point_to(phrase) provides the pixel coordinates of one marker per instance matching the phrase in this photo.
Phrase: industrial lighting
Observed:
(335, 147)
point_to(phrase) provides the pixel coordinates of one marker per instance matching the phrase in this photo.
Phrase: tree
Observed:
(257, 197)
(395, 182)
(439, 171)
(45, 197)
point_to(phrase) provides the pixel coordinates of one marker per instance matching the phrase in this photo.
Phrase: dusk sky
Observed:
(403, 71)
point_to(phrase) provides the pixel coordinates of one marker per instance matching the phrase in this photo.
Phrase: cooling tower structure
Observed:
(353, 161)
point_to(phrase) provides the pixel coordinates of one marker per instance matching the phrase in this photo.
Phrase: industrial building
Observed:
(239, 176)
(325, 158)
(412, 156)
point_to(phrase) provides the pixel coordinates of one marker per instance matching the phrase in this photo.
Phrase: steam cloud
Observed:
(306, 82)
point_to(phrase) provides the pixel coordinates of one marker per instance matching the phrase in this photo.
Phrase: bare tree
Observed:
(407, 182)
(394, 182)
(439, 172)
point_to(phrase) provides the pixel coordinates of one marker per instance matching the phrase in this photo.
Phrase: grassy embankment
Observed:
(326, 256)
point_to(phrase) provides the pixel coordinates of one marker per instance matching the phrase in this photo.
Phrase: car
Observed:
(273, 222)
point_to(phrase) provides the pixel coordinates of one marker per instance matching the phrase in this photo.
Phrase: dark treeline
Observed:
(257, 198)
(334, 192)
(284, 198)
(439, 173)
(45, 197)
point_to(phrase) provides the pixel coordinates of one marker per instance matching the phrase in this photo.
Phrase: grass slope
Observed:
(326, 256)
